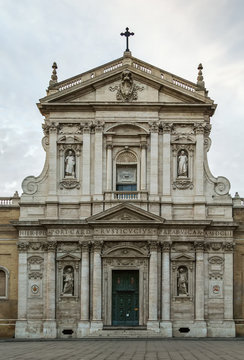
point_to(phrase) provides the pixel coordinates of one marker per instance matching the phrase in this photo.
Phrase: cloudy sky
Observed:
(174, 35)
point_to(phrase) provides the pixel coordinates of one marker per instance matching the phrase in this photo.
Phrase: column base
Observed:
(49, 329)
(20, 329)
(225, 328)
(96, 325)
(197, 328)
(166, 328)
(153, 325)
(83, 328)
(28, 329)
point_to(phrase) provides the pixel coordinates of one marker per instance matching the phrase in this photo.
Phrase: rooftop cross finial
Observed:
(127, 34)
(200, 82)
(54, 77)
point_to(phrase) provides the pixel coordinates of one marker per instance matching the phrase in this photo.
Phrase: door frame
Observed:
(116, 293)
(109, 265)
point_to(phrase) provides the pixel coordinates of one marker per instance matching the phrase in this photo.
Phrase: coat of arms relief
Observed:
(127, 90)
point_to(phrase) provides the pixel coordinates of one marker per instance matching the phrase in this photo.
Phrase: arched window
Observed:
(4, 276)
(126, 171)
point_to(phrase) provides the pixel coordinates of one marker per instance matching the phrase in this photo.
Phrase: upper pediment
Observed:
(125, 80)
(125, 213)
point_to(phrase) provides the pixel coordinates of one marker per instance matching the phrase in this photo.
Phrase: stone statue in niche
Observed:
(182, 281)
(182, 163)
(70, 164)
(68, 281)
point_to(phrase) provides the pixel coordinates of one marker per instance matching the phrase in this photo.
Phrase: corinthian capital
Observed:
(167, 128)
(97, 245)
(153, 126)
(23, 246)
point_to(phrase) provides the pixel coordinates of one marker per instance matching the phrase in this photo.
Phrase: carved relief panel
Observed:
(35, 265)
(216, 273)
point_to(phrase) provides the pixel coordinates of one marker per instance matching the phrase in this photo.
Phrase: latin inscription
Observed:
(33, 233)
(125, 231)
(70, 232)
(219, 233)
(180, 232)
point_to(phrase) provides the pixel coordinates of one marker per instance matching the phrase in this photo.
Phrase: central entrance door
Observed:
(125, 297)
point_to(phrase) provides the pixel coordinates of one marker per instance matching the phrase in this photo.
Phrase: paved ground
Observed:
(123, 350)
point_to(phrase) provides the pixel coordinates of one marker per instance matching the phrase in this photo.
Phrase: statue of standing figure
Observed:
(68, 279)
(182, 282)
(70, 164)
(182, 164)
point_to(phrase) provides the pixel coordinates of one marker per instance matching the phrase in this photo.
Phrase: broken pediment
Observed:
(125, 213)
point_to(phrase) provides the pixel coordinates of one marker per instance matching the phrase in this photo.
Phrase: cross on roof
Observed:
(127, 34)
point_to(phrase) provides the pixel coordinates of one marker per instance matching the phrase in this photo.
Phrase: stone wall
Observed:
(239, 271)
(9, 265)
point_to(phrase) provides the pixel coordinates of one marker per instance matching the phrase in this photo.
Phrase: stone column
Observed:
(199, 297)
(153, 323)
(166, 207)
(98, 163)
(199, 159)
(51, 204)
(84, 323)
(199, 207)
(52, 177)
(201, 329)
(166, 160)
(154, 162)
(97, 323)
(49, 325)
(21, 323)
(143, 164)
(229, 329)
(165, 323)
(228, 282)
(109, 167)
(86, 159)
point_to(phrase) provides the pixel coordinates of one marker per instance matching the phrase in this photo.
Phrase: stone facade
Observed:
(126, 226)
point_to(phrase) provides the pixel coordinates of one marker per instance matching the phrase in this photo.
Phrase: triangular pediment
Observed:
(101, 85)
(125, 213)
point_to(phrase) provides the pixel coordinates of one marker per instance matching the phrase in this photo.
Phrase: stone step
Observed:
(124, 333)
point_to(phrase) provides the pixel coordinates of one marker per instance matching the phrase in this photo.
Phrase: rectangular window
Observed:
(126, 178)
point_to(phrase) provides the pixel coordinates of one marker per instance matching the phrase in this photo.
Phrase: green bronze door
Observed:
(125, 298)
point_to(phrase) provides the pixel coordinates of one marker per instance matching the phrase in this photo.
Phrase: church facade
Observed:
(126, 227)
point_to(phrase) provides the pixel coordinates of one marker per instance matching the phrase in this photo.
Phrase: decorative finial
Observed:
(54, 77)
(200, 82)
(127, 34)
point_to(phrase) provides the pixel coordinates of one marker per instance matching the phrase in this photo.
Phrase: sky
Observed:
(173, 35)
